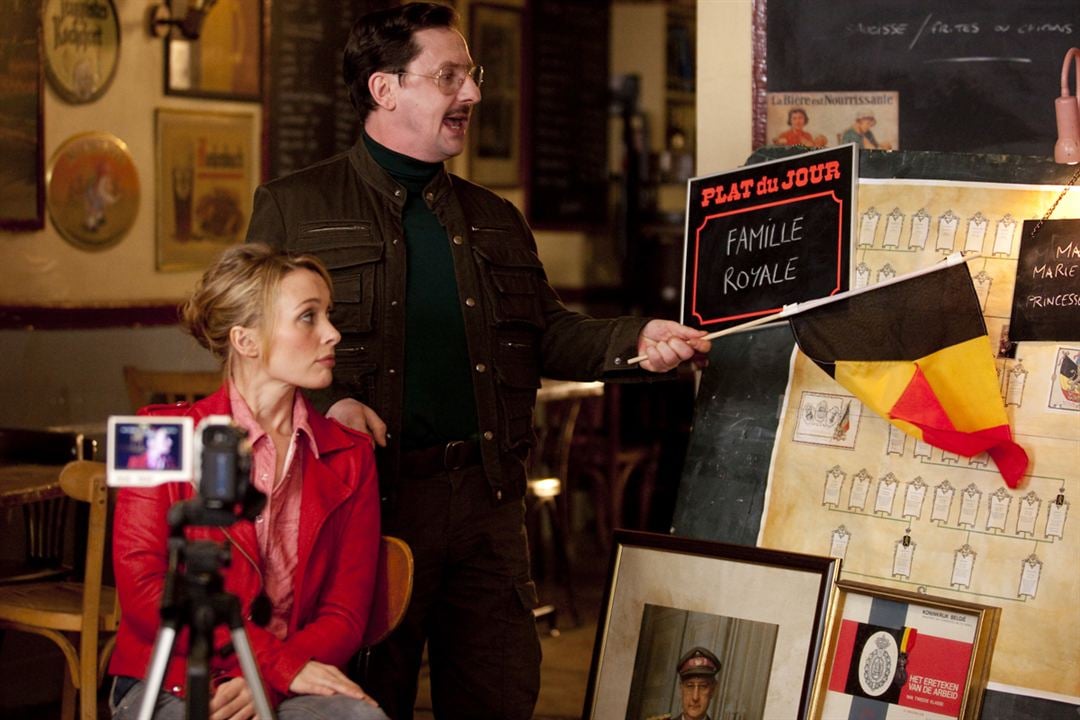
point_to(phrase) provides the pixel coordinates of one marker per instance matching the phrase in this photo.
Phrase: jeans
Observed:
(301, 707)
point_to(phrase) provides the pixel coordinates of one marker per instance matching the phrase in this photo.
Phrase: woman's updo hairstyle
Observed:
(239, 289)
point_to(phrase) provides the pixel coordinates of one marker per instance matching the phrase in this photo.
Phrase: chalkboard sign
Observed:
(307, 115)
(568, 103)
(765, 236)
(1047, 295)
(971, 76)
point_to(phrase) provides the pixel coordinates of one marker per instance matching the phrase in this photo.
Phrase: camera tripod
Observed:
(195, 597)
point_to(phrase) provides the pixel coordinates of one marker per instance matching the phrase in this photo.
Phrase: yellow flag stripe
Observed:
(962, 376)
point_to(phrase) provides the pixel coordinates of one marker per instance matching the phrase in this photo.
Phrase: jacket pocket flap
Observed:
(508, 256)
(340, 244)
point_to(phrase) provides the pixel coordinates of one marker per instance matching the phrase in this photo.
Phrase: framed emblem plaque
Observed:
(93, 190)
(81, 43)
(905, 654)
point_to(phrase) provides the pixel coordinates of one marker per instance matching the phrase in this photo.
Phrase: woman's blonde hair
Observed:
(240, 289)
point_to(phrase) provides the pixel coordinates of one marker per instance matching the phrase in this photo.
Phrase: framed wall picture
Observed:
(496, 133)
(206, 171)
(917, 655)
(667, 596)
(81, 41)
(225, 61)
(22, 137)
(93, 193)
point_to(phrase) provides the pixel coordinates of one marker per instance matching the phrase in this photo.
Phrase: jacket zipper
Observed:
(332, 228)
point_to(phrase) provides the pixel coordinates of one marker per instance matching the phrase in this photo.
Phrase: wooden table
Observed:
(21, 484)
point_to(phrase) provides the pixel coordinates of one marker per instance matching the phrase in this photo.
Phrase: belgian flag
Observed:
(916, 352)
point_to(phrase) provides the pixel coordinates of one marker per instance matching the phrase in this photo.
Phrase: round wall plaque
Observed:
(93, 190)
(81, 40)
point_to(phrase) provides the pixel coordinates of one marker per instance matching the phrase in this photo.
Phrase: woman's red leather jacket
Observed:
(335, 575)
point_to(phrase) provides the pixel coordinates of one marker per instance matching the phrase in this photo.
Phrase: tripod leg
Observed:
(251, 672)
(159, 660)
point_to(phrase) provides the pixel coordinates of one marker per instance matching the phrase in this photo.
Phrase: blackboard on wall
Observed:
(1047, 295)
(722, 491)
(307, 115)
(568, 109)
(972, 76)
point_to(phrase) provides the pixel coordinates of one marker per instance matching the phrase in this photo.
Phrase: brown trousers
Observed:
(472, 603)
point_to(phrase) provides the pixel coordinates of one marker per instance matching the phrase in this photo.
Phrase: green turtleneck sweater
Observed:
(439, 405)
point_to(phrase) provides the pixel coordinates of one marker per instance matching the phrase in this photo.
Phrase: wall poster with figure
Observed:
(689, 625)
(496, 138)
(225, 60)
(205, 180)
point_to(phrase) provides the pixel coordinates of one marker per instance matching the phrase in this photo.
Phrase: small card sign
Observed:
(768, 235)
(1047, 295)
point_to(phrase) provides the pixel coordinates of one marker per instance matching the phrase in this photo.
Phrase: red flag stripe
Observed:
(919, 406)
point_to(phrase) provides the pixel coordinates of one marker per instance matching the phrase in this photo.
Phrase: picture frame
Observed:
(82, 48)
(495, 138)
(22, 128)
(225, 61)
(920, 655)
(206, 171)
(667, 595)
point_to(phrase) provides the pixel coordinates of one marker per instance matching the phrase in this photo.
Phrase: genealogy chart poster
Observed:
(901, 513)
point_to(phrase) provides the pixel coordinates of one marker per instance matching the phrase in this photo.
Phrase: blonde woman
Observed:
(311, 552)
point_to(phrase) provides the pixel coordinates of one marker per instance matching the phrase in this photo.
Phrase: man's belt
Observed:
(436, 459)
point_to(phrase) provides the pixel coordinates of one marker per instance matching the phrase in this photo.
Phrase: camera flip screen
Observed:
(147, 451)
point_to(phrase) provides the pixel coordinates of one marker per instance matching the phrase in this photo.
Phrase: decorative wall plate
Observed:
(93, 190)
(81, 40)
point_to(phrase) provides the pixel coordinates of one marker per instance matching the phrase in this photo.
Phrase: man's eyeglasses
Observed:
(450, 79)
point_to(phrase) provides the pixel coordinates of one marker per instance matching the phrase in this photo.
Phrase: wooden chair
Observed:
(45, 518)
(168, 386)
(393, 591)
(607, 462)
(546, 493)
(60, 610)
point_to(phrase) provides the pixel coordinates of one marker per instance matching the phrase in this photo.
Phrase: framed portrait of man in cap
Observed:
(700, 666)
(698, 630)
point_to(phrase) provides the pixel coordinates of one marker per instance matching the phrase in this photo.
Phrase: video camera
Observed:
(216, 458)
(145, 451)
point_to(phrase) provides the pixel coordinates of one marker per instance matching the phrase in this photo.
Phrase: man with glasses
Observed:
(697, 670)
(447, 323)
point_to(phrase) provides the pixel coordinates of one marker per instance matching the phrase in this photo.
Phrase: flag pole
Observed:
(796, 308)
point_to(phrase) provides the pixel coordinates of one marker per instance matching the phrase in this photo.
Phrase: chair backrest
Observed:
(393, 589)
(554, 438)
(166, 386)
(44, 520)
(84, 481)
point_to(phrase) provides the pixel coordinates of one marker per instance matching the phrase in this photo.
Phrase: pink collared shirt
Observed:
(278, 525)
